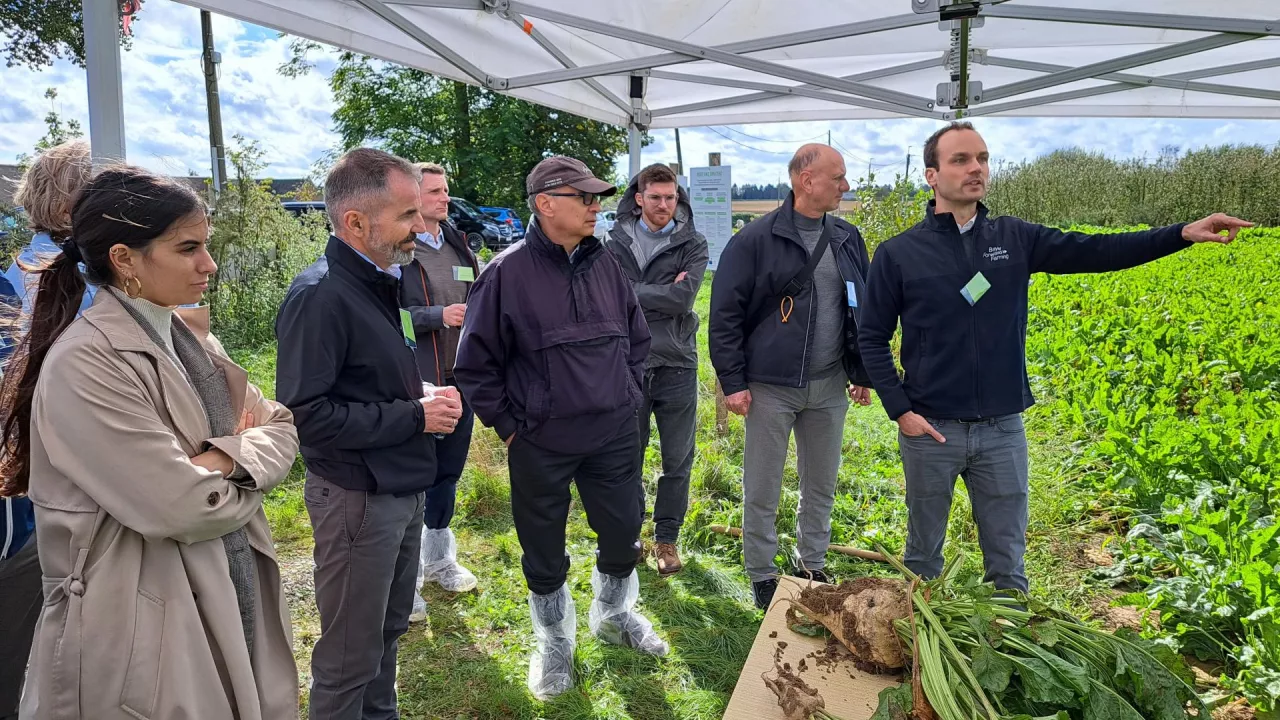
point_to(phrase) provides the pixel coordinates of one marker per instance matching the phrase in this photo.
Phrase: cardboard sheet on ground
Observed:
(850, 693)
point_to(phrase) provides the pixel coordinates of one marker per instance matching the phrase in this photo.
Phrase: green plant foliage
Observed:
(1166, 376)
(1077, 186)
(259, 247)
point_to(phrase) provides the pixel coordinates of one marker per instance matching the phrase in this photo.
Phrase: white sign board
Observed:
(710, 194)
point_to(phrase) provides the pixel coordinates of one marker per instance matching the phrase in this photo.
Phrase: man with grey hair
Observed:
(347, 369)
(783, 336)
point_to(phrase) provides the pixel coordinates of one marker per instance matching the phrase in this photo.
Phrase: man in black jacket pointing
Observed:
(958, 282)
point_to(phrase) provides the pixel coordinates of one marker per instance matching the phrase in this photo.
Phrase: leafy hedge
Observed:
(259, 247)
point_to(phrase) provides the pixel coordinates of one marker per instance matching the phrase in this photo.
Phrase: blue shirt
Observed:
(41, 244)
(17, 522)
(393, 271)
(435, 241)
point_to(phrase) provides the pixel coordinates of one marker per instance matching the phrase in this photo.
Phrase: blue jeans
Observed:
(991, 456)
(451, 458)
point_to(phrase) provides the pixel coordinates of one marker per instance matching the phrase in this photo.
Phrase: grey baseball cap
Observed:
(561, 171)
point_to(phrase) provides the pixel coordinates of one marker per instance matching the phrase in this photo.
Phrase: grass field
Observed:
(469, 659)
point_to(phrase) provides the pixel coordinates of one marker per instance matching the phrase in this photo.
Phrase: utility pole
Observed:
(210, 61)
(679, 155)
(908, 165)
(722, 410)
(828, 137)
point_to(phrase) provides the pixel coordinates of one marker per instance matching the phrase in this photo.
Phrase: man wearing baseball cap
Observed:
(552, 357)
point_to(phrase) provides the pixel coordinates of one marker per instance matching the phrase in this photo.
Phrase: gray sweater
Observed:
(828, 307)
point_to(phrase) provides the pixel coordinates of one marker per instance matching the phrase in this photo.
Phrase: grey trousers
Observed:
(21, 595)
(671, 397)
(817, 414)
(366, 559)
(991, 456)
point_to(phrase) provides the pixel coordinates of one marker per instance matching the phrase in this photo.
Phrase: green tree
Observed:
(57, 130)
(488, 142)
(37, 32)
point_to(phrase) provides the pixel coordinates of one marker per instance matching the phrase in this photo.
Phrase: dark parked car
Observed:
(302, 207)
(508, 216)
(480, 229)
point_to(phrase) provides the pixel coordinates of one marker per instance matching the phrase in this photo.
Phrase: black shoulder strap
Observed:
(797, 283)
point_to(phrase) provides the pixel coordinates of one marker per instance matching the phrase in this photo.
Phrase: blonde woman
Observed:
(46, 193)
(147, 455)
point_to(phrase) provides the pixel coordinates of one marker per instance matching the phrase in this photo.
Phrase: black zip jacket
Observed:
(963, 361)
(352, 382)
(428, 317)
(553, 349)
(749, 341)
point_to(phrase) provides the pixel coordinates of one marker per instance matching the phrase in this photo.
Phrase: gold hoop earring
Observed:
(128, 290)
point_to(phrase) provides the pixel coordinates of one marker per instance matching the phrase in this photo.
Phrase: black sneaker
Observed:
(814, 575)
(762, 591)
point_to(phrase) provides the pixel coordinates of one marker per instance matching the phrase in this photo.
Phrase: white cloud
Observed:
(166, 120)
(167, 127)
(886, 143)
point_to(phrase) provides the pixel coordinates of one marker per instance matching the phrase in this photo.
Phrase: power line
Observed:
(756, 149)
(785, 140)
(861, 159)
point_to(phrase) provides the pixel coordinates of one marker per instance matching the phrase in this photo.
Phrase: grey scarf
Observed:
(210, 384)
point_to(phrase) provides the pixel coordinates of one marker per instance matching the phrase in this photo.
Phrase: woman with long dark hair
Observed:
(147, 455)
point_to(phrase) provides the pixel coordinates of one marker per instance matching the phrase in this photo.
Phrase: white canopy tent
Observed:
(681, 63)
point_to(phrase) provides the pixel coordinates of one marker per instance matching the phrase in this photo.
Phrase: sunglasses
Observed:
(587, 198)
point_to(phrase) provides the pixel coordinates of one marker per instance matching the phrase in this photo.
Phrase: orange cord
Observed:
(434, 345)
(785, 307)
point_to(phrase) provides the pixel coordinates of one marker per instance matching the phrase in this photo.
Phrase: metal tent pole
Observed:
(102, 67)
(639, 119)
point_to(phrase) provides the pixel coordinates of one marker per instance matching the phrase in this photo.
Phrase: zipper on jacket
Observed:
(848, 310)
(973, 314)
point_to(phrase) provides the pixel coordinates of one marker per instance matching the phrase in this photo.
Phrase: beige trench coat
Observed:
(140, 617)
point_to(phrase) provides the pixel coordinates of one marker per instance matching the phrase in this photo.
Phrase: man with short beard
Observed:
(958, 281)
(347, 369)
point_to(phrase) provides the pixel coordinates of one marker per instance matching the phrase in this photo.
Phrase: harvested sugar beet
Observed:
(860, 614)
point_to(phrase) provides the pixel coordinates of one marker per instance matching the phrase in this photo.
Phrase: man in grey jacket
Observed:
(665, 259)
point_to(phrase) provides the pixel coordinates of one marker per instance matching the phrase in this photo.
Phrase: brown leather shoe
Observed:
(668, 558)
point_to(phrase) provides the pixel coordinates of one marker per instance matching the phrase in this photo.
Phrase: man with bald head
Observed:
(783, 335)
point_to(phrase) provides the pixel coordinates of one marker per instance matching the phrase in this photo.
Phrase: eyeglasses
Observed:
(660, 199)
(587, 198)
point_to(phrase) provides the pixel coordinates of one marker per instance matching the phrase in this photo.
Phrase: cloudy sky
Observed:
(167, 128)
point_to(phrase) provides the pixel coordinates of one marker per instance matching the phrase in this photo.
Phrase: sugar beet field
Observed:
(1155, 490)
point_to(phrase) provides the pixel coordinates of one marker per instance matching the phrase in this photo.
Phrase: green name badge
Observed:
(463, 274)
(975, 289)
(406, 326)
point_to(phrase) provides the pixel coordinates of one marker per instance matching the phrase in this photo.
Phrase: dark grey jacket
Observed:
(667, 305)
(553, 348)
(750, 341)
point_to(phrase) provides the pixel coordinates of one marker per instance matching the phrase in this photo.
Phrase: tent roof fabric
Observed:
(716, 62)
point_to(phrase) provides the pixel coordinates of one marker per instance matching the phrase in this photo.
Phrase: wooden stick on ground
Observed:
(722, 412)
(842, 549)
